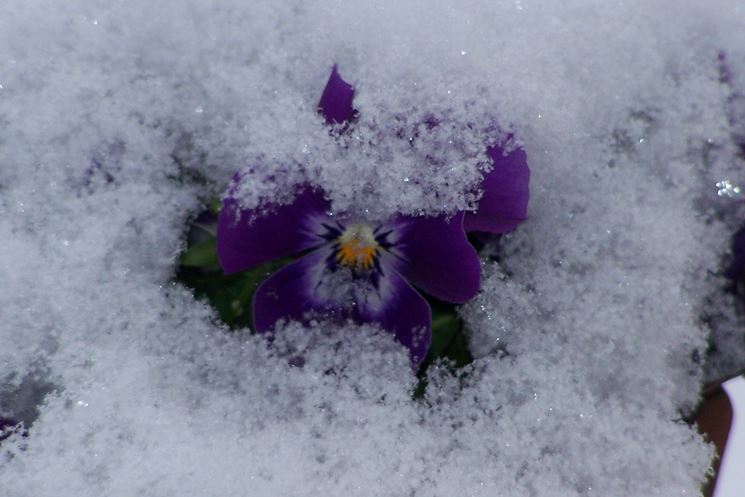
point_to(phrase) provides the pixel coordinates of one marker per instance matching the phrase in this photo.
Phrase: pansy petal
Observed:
(247, 238)
(400, 310)
(292, 293)
(505, 201)
(435, 256)
(336, 100)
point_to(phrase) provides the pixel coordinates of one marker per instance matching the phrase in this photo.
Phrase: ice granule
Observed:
(120, 120)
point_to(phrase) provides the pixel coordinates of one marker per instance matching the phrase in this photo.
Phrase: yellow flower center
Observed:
(357, 247)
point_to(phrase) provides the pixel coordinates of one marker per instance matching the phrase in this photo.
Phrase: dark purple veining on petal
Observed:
(292, 293)
(504, 204)
(432, 253)
(247, 238)
(336, 100)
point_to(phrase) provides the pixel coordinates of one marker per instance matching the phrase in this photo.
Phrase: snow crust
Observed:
(119, 120)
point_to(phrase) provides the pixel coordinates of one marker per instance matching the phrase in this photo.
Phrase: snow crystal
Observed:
(120, 120)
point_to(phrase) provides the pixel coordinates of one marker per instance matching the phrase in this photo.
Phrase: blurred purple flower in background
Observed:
(355, 269)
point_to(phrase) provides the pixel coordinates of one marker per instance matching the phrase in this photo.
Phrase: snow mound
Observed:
(120, 120)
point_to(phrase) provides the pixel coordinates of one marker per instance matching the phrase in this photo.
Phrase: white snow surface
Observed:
(588, 334)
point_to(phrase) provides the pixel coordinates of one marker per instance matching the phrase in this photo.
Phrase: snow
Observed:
(120, 120)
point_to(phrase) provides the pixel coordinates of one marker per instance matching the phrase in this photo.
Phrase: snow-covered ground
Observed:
(118, 120)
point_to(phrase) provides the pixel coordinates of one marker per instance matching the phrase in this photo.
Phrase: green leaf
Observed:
(445, 326)
(230, 295)
(202, 254)
(457, 350)
(215, 205)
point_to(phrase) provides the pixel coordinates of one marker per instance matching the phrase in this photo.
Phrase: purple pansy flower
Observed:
(361, 270)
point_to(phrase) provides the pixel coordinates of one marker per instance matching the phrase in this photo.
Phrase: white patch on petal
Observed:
(339, 287)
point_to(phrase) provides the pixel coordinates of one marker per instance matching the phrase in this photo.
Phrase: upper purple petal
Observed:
(399, 309)
(336, 100)
(249, 237)
(504, 204)
(292, 293)
(435, 256)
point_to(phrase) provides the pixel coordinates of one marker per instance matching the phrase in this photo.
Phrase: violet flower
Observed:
(366, 271)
